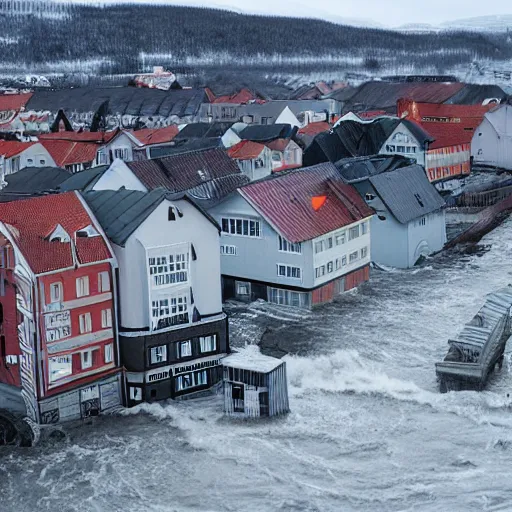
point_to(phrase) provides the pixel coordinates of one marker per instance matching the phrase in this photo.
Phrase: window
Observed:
(86, 357)
(242, 288)
(258, 163)
(319, 247)
(228, 250)
(364, 228)
(422, 221)
(109, 353)
(171, 215)
(121, 153)
(330, 267)
(353, 257)
(241, 227)
(364, 252)
(30, 161)
(106, 318)
(288, 297)
(208, 343)
(413, 149)
(59, 367)
(288, 271)
(169, 270)
(103, 282)
(353, 232)
(184, 382)
(85, 323)
(285, 246)
(201, 379)
(82, 286)
(136, 394)
(338, 263)
(185, 348)
(341, 238)
(329, 243)
(102, 157)
(320, 271)
(400, 149)
(158, 354)
(168, 312)
(369, 197)
(343, 261)
(55, 292)
(390, 148)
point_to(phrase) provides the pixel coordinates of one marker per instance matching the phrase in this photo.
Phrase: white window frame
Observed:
(319, 246)
(364, 228)
(53, 296)
(69, 362)
(341, 237)
(234, 223)
(86, 362)
(85, 323)
(320, 271)
(353, 232)
(229, 250)
(106, 318)
(289, 247)
(351, 259)
(243, 285)
(158, 354)
(135, 394)
(188, 351)
(287, 271)
(364, 252)
(208, 343)
(82, 286)
(167, 270)
(103, 282)
(109, 353)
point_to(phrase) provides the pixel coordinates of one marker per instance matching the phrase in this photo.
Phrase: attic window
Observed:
(418, 198)
(193, 251)
(59, 234)
(87, 232)
(172, 215)
(369, 197)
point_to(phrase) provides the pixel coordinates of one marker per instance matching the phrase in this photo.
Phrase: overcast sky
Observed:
(385, 12)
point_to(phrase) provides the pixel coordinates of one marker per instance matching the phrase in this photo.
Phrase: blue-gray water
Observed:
(368, 428)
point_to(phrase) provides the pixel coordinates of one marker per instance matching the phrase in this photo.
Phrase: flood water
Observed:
(368, 428)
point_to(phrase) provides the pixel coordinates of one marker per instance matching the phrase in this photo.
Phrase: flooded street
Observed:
(368, 428)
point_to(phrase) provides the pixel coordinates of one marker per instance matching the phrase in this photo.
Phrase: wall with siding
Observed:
(428, 238)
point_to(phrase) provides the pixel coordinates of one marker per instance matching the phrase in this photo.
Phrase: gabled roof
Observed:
(418, 111)
(13, 101)
(476, 94)
(278, 144)
(246, 150)
(67, 152)
(184, 171)
(31, 222)
(32, 181)
(451, 134)
(285, 202)
(148, 136)
(354, 170)
(177, 147)
(407, 193)
(267, 132)
(121, 212)
(83, 180)
(91, 137)
(212, 192)
(238, 98)
(315, 128)
(10, 148)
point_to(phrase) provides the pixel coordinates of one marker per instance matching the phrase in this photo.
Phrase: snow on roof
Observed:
(250, 358)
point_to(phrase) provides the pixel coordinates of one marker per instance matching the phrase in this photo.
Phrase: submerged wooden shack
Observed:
(254, 384)
(479, 347)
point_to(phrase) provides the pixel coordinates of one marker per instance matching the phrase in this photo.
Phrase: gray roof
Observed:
(83, 180)
(121, 212)
(32, 181)
(407, 193)
(274, 108)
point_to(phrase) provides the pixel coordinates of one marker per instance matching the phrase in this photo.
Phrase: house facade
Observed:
(276, 247)
(255, 160)
(286, 154)
(16, 155)
(58, 339)
(173, 332)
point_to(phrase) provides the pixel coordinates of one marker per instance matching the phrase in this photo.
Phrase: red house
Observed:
(58, 339)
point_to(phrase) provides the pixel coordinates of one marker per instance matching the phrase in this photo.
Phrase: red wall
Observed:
(327, 292)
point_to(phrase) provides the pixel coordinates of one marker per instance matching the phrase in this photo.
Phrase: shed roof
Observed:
(407, 193)
(32, 181)
(285, 202)
(250, 358)
(31, 222)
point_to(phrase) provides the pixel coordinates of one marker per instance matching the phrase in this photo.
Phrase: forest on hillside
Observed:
(130, 38)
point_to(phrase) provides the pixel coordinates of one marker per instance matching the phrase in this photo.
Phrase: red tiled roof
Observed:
(32, 221)
(148, 136)
(278, 144)
(239, 98)
(184, 171)
(315, 128)
(66, 152)
(451, 134)
(371, 114)
(14, 101)
(285, 202)
(10, 148)
(246, 150)
(92, 137)
(418, 110)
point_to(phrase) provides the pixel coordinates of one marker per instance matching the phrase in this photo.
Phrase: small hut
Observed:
(254, 385)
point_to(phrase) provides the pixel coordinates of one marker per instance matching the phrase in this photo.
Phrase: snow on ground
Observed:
(368, 429)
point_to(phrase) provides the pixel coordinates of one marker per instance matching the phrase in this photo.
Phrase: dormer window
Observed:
(59, 235)
(87, 232)
(171, 215)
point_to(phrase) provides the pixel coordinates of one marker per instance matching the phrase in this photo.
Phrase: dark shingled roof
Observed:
(474, 94)
(407, 193)
(83, 180)
(185, 146)
(203, 130)
(122, 100)
(121, 212)
(212, 192)
(354, 170)
(184, 171)
(32, 181)
(266, 132)
(353, 139)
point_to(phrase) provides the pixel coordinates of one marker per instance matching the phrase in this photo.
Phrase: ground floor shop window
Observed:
(191, 380)
(288, 297)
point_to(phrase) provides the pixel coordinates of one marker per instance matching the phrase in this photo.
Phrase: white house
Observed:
(492, 141)
(15, 155)
(253, 159)
(172, 330)
(286, 154)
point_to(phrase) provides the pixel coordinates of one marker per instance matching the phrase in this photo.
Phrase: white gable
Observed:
(119, 175)
(288, 117)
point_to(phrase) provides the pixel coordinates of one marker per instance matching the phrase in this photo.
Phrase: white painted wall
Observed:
(119, 175)
(157, 231)
(409, 141)
(288, 117)
(34, 156)
(230, 138)
(122, 141)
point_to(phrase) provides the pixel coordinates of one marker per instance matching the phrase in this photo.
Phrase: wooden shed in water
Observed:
(254, 384)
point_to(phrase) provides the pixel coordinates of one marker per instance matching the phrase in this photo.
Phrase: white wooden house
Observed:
(255, 160)
(16, 155)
